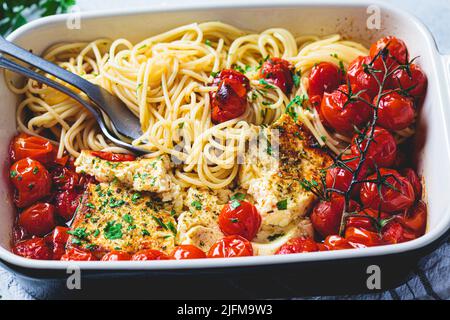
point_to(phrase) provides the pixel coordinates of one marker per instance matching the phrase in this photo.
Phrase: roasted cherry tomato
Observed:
(187, 251)
(413, 178)
(359, 237)
(411, 79)
(64, 178)
(66, 203)
(382, 150)
(39, 219)
(33, 249)
(76, 254)
(230, 99)
(415, 219)
(335, 242)
(396, 192)
(367, 219)
(240, 218)
(394, 232)
(342, 114)
(114, 157)
(32, 181)
(324, 77)
(326, 215)
(116, 255)
(278, 72)
(363, 74)
(298, 245)
(315, 102)
(57, 241)
(230, 247)
(395, 112)
(340, 177)
(149, 254)
(36, 148)
(396, 51)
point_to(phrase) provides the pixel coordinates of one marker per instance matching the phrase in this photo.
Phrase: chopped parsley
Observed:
(296, 79)
(282, 205)
(128, 218)
(13, 174)
(196, 204)
(116, 203)
(113, 230)
(265, 84)
(208, 42)
(145, 232)
(35, 170)
(135, 197)
(238, 196)
(90, 205)
(235, 203)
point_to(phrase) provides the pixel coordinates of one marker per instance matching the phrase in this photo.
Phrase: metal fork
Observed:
(12, 66)
(123, 120)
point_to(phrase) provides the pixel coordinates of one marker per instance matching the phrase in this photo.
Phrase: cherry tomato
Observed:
(187, 251)
(114, 157)
(149, 254)
(39, 219)
(230, 99)
(240, 218)
(116, 255)
(359, 237)
(324, 77)
(413, 178)
(340, 178)
(415, 219)
(342, 115)
(334, 242)
(36, 148)
(66, 203)
(278, 72)
(298, 245)
(326, 215)
(412, 79)
(396, 50)
(316, 101)
(395, 112)
(396, 192)
(364, 222)
(230, 247)
(32, 181)
(57, 241)
(382, 150)
(394, 232)
(361, 78)
(33, 249)
(76, 254)
(64, 179)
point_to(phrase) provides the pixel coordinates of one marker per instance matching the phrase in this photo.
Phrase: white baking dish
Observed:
(315, 17)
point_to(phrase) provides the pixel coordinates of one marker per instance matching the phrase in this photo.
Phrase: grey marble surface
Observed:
(435, 267)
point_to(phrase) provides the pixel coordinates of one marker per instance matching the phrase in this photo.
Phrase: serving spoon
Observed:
(123, 120)
(12, 66)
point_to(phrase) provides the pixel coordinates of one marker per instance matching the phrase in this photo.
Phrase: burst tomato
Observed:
(359, 237)
(36, 148)
(412, 79)
(230, 247)
(278, 72)
(33, 249)
(240, 218)
(382, 150)
(340, 177)
(298, 245)
(414, 219)
(114, 157)
(116, 255)
(324, 77)
(394, 232)
(57, 241)
(149, 254)
(230, 99)
(392, 193)
(395, 112)
(32, 181)
(64, 178)
(344, 114)
(367, 219)
(66, 203)
(364, 75)
(39, 219)
(396, 51)
(76, 254)
(334, 242)
(413, 178)
(326, 215)
(187, 251)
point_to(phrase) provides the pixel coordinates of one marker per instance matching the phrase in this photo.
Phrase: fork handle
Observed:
(12, 66)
